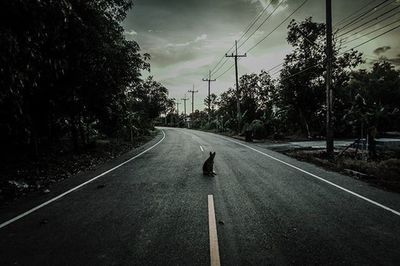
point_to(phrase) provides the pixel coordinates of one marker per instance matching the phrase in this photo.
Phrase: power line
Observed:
(378, 22)
(262, 23)
(368, 33)
(364, 14)
(275, 67)
(245, 32)
(392, 29)
(255, 20)
(301, 71)
(226, 71)
(216, 71)
(297, 73)
(376, 6)
(212, 70)
(280, 24)
(373, 19)
(353, 14)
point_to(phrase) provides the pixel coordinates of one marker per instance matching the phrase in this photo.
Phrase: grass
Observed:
(384, 172)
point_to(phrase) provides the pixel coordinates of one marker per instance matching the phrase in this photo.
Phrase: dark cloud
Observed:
(186, 38)
(381, 50)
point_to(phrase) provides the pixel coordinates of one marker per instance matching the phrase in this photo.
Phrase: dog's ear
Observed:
(214, 153)
(211, 153)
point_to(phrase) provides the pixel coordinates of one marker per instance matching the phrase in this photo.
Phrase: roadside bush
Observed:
(257, 127)
(230, 124)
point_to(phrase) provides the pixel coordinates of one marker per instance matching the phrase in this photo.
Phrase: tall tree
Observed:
(301, 92)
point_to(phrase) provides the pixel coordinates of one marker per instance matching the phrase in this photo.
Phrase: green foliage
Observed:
(198, 119)
(374, 98)
(256, 100)
(66, 71)
(301, 92)
(258, 129)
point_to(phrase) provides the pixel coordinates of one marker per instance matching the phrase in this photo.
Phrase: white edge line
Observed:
(319, 178)
(201, 148)
(77, 187)
(212, 227)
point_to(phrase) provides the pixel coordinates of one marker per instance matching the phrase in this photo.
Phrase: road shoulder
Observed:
(10, 209)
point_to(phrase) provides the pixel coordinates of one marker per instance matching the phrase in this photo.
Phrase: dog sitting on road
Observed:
(209, 165)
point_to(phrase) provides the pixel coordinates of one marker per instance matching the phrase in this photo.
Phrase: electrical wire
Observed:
(365, 13)
(373, 19)
(280, 24)
(392, 29)
(351, 49)
(255, 20)
(353, 14)
(265, 37)
(245, 32)
(373, 31)
(259, 26)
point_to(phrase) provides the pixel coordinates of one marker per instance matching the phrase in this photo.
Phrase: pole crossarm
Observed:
(209, 80)
(236, 56)
(193, 92)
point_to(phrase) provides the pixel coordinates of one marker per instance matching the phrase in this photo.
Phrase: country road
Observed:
(155, 210)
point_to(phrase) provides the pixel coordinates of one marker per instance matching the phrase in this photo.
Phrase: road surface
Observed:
(155, 209)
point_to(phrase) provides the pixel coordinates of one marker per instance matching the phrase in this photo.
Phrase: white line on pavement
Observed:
(212, 226)
(319, 178)
(201, 148)
(77, 187)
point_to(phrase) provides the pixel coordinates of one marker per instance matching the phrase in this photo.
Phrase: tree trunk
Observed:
(74, 135)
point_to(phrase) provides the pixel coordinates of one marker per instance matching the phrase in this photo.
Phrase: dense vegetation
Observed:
(68, 74)
(294, 103)
(72, 95)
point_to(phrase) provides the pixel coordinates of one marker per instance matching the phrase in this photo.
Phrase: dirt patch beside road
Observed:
(384, 172)
(23, 176)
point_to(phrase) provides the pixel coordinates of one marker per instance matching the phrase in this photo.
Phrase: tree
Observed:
(213, 100)
(301, 90)
(65, 70)
(380, 90)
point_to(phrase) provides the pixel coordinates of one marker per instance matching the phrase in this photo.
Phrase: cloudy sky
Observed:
(187, 38)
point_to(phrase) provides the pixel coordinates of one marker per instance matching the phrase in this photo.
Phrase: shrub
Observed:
(258, 129)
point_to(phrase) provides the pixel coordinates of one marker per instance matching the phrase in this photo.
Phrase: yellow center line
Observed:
(212, 225)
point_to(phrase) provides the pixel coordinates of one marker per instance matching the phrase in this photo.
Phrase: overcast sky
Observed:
(186, 38)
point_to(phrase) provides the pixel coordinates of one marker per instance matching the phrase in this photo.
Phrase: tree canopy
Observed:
(66, 70)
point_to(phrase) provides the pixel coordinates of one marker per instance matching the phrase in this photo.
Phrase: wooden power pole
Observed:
(193, 92)
(209, 80)
(177, 107)
(329, 94)
(184, 105)
(236, 56)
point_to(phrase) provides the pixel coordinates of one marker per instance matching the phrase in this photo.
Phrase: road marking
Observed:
(16, 218)
(212, 227)
(201, 148)
(319, 178)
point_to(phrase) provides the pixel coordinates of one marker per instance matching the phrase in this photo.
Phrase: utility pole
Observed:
(177, 107)
(236, 56)
(329, 94)
(184, 105)
(209, 80)
(193, 92)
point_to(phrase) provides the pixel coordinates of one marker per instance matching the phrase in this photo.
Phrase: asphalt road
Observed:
(153, 210)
